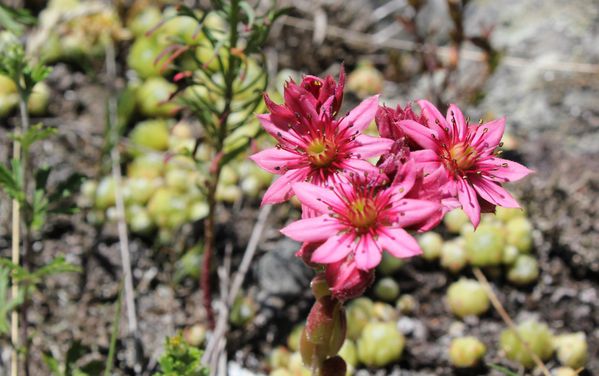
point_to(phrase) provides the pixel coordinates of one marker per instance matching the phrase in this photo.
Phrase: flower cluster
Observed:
(353, 210)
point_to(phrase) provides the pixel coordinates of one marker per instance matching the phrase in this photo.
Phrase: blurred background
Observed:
(536, 62)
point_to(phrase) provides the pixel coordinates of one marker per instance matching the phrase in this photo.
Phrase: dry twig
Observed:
(120, 206)
(216, 344)
(507, 319)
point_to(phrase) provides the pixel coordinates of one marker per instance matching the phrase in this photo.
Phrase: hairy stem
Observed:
(26, 221)
(16, 235)
(221, 134)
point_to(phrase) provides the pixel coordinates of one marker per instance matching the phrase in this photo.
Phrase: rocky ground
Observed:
(542, 84)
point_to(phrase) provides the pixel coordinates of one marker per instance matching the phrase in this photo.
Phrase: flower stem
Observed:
(221, 134)
(16, 234)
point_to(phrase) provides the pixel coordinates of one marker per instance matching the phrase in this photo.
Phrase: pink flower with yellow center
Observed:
(359, 219)
(314, 146)
(467, 154)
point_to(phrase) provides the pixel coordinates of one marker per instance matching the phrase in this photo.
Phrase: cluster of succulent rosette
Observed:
(361, 195)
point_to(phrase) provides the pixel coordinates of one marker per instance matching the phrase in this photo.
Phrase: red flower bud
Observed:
(334, 366)
(346, 281)
(325, 331)
(305, 253)
(319, 286)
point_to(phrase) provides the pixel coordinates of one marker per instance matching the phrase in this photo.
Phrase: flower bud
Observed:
(150, 134)
(37, 104)
(278, 358)
(572, 349)
(293, 340)
(453, 256)
(519, 234)
(349, 353)
(467, 297)
(454, 220)
(359, 313)
(153, 98)
(507, 214)
(510, 255)
(389, 264)
(386, 289)
(564, 371)
(406, 304)
(484, 247)
(325, 331)
(195, 335)
(365, 80)
(384, 312)
(334, 366)
(346, 281)
(381, 343)
(538, 337)
(466, 352)
(243, 311)
(105, 193)
(305, 253)
(431, 244)
(524, 271)
(319, 286)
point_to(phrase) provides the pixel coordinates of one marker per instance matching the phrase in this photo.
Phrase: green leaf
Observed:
(34, 134)
(15, 20)
(75, 352)
(249, 11)
(9, 181)
(503, 370)
(181, 359)
(6, 305)
(52, 364)
(114, 335)
(57, 266)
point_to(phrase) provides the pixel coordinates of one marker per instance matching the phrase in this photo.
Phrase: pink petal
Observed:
(399, 243)
(316, 229)
(412, 211)
(427, 160)
(282, 135)
(368, 254)
(315, 197)
(493, 193)
(423, 136)
(300, 101)
(469, 201)
(368, 146)
(489, 134)
(334, 249)
(277, 161)
(455, 113)
(280, 189)
(361, 116)
(503, 170)
(405, 178)
(433, 116)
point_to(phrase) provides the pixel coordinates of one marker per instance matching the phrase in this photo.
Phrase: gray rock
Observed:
(280, 272)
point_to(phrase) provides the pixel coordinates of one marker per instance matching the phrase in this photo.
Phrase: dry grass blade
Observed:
(507, 319)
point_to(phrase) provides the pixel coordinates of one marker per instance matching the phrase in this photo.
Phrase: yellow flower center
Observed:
(321, 152)
(461, 156)
(363, 214)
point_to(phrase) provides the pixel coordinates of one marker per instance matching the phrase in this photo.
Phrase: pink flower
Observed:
(387, 120)
(313, 146)
(346, 281)
(323, 89)
(360, 219)
(466, 154)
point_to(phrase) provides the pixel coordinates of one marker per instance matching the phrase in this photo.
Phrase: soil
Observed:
(561, 199)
